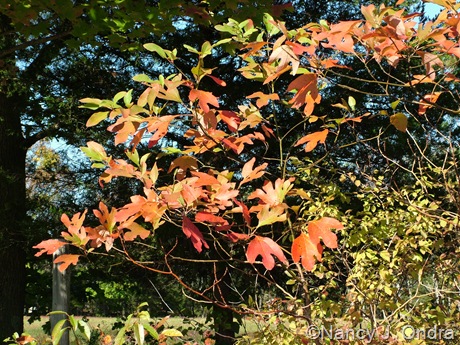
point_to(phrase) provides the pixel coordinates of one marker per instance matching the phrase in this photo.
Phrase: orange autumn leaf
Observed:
(427, 102)
(267, 248)
(312, 140)
(284, 56)
(263, 99)
(303, 248)
(25, 339)
(322, 228)
(245, 211)
(235, 237)
(307, 92)
(204, 179)
(218, 81)
(191, 231)
(209, 218)
(49, 246)
(135, 231)
(204, 98)
(231, 119)
(249, 173)
(430, 61)
(66, 260)
(159, 126)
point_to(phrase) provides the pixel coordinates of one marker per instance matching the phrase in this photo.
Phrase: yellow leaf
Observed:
(399, 120)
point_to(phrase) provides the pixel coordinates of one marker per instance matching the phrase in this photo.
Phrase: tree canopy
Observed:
(336, 168)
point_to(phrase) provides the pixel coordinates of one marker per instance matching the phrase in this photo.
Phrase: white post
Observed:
(61, 294)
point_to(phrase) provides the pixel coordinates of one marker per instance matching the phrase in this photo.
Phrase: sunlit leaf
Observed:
(49, 246)
(66, 260)
(267, 248)
(313, 140)
(96, 118)
(204, 98)
(170, 332)
(322, 228)
(307, 251)
(399, 120)
(249, 173)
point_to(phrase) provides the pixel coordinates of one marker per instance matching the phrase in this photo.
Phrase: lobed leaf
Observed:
(267, 248)
(66, 260)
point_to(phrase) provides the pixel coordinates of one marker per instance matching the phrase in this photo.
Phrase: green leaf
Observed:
(57, 312)
(119, 96)
(143, 78)
(96, 101)
(206, 49)
(291, 282)
(120, 338)
(224, 41)
(191, 49)
(139, 333)
(84, 328)
(96, 118)
(151, 331)
(58, 331)
(268, 21)
(133, 156)
(73, 322)
(143, 304)
(351, 103)
(98, 166)
(385, 255)
(144, 158)
(155, 48)
(394, 104)
(128, 98)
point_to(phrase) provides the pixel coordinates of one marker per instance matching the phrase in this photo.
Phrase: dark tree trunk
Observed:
(12, 218)
(224, 325)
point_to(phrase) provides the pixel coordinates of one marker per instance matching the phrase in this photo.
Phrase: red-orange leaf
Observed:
(249, 173)
(304, 248)
(191, 231)
(204, 179)
(245, 211)
(204, 99)
(25, 339)
(48, 246)
(209, 218)
(322, 228)
(231, 119)
(312, 140)
(235, 237)
(430, 61)
(307, 92)
(427, 102)
(66, 260)
(263, 98)
(218, 81)
(266, 248)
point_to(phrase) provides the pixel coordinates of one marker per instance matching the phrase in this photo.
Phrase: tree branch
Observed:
(34, 42)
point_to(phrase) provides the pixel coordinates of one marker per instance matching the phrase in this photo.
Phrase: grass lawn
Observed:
(195, 326)
(35, 328)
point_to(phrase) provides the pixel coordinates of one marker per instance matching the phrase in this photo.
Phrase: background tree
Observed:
(226, 207)
(52, 53)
